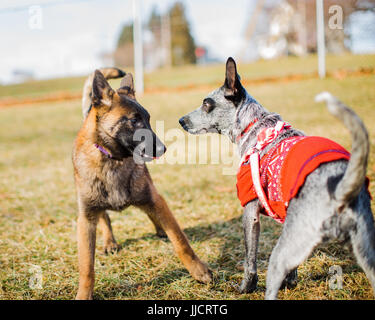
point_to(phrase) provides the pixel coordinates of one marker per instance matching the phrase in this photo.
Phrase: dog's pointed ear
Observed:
(233, 89)
(127, 86)
(102, 93)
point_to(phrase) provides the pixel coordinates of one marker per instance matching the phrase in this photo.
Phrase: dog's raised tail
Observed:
(350, 185)
(109, 73)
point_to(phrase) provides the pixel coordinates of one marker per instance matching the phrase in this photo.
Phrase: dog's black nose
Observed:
(182, 121)
(160, 150)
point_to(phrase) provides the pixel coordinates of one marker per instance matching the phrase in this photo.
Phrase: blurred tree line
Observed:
(170, 31)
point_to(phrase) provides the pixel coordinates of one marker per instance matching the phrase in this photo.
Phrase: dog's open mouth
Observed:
(194, 131)
(201, 131)
(143, 157)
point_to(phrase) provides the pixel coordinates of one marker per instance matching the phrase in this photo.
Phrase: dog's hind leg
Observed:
(86, 236)
(363, 241)
(110, 244)
(251, 228)
(293, 247)
(159, 211)
(291, 280)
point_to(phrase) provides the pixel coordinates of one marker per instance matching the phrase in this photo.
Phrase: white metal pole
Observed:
(138, 46)
(166, 38)
(302, 27)
(320, 38)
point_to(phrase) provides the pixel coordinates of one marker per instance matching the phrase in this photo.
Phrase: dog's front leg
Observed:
(110, 244)
(251, 228)
(159, 229)
(86, 236)
(159, 210)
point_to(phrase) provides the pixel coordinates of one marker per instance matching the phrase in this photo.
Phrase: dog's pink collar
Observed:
(247, 129)
(103, 150)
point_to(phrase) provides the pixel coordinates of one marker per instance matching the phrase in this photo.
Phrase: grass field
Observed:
(38, 205)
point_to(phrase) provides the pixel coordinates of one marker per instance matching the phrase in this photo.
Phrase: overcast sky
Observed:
(74, 33)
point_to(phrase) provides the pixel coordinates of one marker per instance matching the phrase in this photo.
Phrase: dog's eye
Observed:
(134, 121)
(207, 107)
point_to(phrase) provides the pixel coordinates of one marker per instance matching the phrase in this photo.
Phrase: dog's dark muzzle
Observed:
(185, 123)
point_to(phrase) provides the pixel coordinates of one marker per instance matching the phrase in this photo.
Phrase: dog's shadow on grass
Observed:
(228, 233)
(229, 238)
(130, 290)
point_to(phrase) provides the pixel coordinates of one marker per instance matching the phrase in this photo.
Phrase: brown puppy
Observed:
(110, 174)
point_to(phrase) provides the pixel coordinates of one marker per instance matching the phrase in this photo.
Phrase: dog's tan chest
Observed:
(115, 186)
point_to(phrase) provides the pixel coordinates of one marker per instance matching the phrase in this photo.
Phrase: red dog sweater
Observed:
(283, 170)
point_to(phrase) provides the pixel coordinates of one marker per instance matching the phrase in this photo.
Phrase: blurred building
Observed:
(288, 27)
(283, 35)
(19, 76)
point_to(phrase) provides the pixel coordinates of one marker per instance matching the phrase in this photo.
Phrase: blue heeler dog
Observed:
(333, 202)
